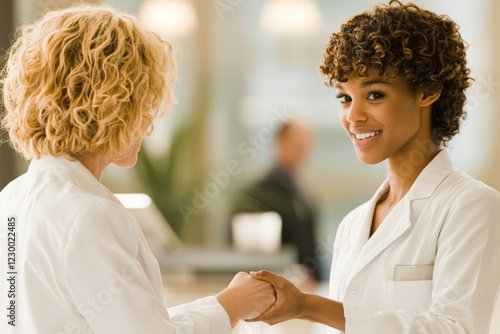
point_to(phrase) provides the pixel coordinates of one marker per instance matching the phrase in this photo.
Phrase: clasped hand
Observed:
(289, 299)
(261, 296)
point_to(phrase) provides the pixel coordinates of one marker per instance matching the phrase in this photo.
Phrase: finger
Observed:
(265, 275)
(269, 314)
(238, 279)
(260, 273)
(257, 319)
(265, 317)
(241, 274)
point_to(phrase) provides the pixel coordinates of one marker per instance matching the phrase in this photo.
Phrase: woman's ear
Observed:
(428, 99)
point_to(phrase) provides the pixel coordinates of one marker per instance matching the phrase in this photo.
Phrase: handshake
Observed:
(261, 296)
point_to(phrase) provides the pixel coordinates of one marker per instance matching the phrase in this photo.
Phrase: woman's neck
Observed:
(95, 164)
(404, 169)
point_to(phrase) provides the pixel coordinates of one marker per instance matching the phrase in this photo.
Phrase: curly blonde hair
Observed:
(85, 81)
(405, 40)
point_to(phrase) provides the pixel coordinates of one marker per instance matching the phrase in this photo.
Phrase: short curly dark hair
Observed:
(404, 40)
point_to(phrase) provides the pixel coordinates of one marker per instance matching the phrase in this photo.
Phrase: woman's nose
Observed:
(355, 112)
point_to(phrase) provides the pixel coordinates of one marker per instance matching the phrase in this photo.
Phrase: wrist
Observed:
(305, 309)
(232, 307)
(224, 299)
(323, 310)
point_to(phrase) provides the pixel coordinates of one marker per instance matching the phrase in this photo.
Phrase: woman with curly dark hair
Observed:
(421, 256)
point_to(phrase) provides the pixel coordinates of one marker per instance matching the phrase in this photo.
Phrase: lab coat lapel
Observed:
(394, 225)
(398, 221)
(361, 231)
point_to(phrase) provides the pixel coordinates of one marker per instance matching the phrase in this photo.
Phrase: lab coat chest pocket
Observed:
(408, 295)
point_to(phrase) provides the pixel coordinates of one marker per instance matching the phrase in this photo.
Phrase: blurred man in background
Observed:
(280, 192)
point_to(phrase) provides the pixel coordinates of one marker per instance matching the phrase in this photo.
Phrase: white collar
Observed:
(72, 170)
(427, 181)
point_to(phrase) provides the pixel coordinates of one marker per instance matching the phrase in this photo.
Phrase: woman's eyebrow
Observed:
(365, 83)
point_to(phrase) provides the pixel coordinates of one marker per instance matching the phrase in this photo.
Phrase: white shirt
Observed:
(82, 263)
(433, 265)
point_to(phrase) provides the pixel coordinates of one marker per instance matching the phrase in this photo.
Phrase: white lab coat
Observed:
(82, 264)
(447, 231)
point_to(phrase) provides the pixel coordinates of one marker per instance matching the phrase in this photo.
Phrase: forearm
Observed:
(323, 310)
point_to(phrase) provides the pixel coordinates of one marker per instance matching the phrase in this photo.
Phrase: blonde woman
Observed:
(81, 87)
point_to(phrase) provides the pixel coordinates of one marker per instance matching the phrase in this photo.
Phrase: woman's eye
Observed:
(343, 98)
(375, 95)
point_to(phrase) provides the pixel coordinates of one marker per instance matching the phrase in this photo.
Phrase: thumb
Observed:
(261, 274)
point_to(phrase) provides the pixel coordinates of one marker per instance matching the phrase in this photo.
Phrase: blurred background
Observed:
(246, 66)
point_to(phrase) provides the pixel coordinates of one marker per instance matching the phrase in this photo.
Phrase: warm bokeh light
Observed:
(134, 201)
(169, 18)
(291, 17)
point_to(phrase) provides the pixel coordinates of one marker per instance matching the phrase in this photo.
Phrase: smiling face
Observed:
(384, 118)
